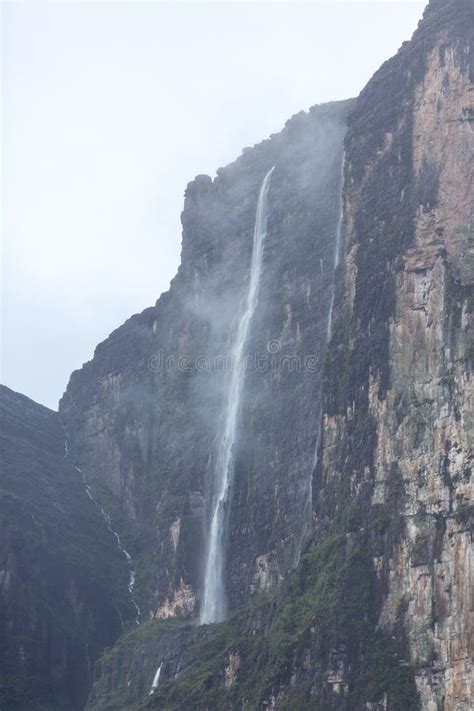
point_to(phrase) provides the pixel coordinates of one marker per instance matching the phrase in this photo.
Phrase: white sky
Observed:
(109, 109)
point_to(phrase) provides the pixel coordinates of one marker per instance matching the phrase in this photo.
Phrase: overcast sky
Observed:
(109, 109)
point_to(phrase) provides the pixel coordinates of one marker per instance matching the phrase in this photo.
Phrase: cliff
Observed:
(63, 583)
(348, 524)
(397, 436)
(378, 612)
(143, 416)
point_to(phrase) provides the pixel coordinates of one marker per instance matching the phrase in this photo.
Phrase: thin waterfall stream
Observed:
(214, 603)
(337, 249)
(108, 521)
(156, 680)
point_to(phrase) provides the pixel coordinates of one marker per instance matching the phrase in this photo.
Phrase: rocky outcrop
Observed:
(63, 583)
(143, 416)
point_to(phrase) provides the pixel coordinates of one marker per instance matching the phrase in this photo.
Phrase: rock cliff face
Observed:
(143, 416)
(350, 517)
(378, 613)
(405, 330)
(63, 583)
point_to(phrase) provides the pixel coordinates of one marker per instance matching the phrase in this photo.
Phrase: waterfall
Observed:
(337, 252)
(213, 605)
(108, 521)
(156, 680)
(337, 249)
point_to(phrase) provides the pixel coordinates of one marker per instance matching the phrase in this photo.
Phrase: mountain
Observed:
(307, 407)
(63, 584)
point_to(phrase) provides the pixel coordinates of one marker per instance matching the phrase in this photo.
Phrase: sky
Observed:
(108, 111)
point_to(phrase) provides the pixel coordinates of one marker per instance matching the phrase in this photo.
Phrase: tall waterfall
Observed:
(337, 249)
(214, 604)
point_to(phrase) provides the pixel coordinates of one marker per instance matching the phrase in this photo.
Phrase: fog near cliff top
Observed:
(109, 110)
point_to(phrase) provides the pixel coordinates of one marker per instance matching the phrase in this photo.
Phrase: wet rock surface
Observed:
(63, 583)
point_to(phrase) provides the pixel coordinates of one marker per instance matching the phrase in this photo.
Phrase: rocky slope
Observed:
(378, 613)
(63, 583)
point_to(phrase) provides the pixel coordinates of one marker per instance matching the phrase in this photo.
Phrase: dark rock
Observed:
(63, 583)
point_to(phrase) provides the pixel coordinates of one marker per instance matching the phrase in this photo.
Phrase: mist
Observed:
(110, 110)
